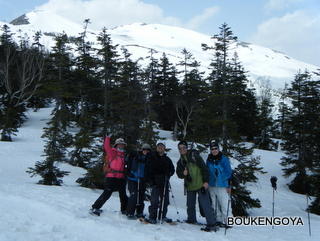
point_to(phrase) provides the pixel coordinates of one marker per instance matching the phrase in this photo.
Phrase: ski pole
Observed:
(307, 187)
(174, 202)
(138, 192)
(273, 181)
(229, 201)
(308, 215)
(228, 206)
(216, 207)
(163, 197)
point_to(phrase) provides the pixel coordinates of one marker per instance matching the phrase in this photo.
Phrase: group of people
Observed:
(208, 180)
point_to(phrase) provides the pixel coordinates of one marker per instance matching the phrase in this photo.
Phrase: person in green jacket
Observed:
(194, 171)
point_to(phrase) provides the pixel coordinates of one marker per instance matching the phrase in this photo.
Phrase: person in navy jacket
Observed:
(136, 181)
(219, 174)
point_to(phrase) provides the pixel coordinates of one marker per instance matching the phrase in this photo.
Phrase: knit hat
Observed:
(183, 143)
(214, 143)
(161, 143)
(146, 146)
(119, 141)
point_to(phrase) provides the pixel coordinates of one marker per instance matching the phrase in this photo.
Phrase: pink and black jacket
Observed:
(115, 160)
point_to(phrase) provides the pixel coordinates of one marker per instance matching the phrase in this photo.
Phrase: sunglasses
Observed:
(214, 148)
(182, 148)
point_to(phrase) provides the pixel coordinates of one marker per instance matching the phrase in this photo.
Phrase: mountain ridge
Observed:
(262, 64)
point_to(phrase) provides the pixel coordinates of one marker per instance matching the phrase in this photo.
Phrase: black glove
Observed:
(202, 190)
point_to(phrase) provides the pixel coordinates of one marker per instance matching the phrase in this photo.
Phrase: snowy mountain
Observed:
(260, 62)
(31, 212)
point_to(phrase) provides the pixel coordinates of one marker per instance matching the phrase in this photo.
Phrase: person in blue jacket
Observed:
(136, 181)
(219, 174)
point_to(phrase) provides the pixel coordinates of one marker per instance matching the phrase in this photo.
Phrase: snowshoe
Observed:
(192, 222)
(210, 228)
(147, 221)
(169, 221)
(222, 225)
(140, 215)
(96, 211)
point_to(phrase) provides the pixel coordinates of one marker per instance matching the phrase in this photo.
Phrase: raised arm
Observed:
(107, 147)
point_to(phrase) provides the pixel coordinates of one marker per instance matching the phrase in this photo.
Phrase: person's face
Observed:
(182, 149)
(160, 149)
(145, 151)
(121, 146)
(214, 150)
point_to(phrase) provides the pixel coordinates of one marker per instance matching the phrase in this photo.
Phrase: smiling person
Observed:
(114, 175)
(194, 171)
(220, 172)
(136, 181)
(158, 172)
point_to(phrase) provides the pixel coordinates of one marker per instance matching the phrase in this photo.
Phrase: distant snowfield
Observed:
(139, 38)
(31, 212)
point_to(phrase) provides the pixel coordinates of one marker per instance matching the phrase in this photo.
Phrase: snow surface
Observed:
(31, 212)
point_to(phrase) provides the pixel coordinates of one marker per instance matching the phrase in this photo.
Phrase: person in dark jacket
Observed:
(220, 173)
(158, 172)
(136, 181)
(193, 170)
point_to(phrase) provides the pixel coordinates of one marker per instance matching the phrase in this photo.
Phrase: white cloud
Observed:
(296, 34)
(280, 4)
(108, 13)
(197, 20)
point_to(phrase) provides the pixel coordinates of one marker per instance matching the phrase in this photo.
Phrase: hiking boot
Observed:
(150, 220)
(210, 228)
(124, 212)
(95, 211)
(190, 221)
(140, 215)
(167, 220)
(131, 217)
(222, 225)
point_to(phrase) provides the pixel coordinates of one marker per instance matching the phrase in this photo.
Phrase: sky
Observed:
(289, 26)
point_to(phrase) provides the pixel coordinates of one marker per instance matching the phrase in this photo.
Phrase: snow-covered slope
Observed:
(31, 212)
(260, 62)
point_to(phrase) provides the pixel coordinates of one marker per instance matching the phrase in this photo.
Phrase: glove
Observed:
(202, 190)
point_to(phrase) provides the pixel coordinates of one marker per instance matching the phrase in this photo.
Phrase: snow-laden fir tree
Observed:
(229, 115)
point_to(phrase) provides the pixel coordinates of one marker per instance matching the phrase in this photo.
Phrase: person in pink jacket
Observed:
(114, 175)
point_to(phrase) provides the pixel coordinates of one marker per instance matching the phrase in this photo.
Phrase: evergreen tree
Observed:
(313, 112)
(245, 172)
(242, 101)
(192, 92)
(300, 130)
(108, 59)
(128, 98)
(61, 84)
(55, 152)
(89, 100)
(148, 132)
(223, 117)
(40, 99)
(164, 91)
(283, 111)
(265, 120)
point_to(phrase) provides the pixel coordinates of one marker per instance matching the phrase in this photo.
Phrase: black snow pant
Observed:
(136, 198)
(112, 185)
(204, 203)
(158, 201)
